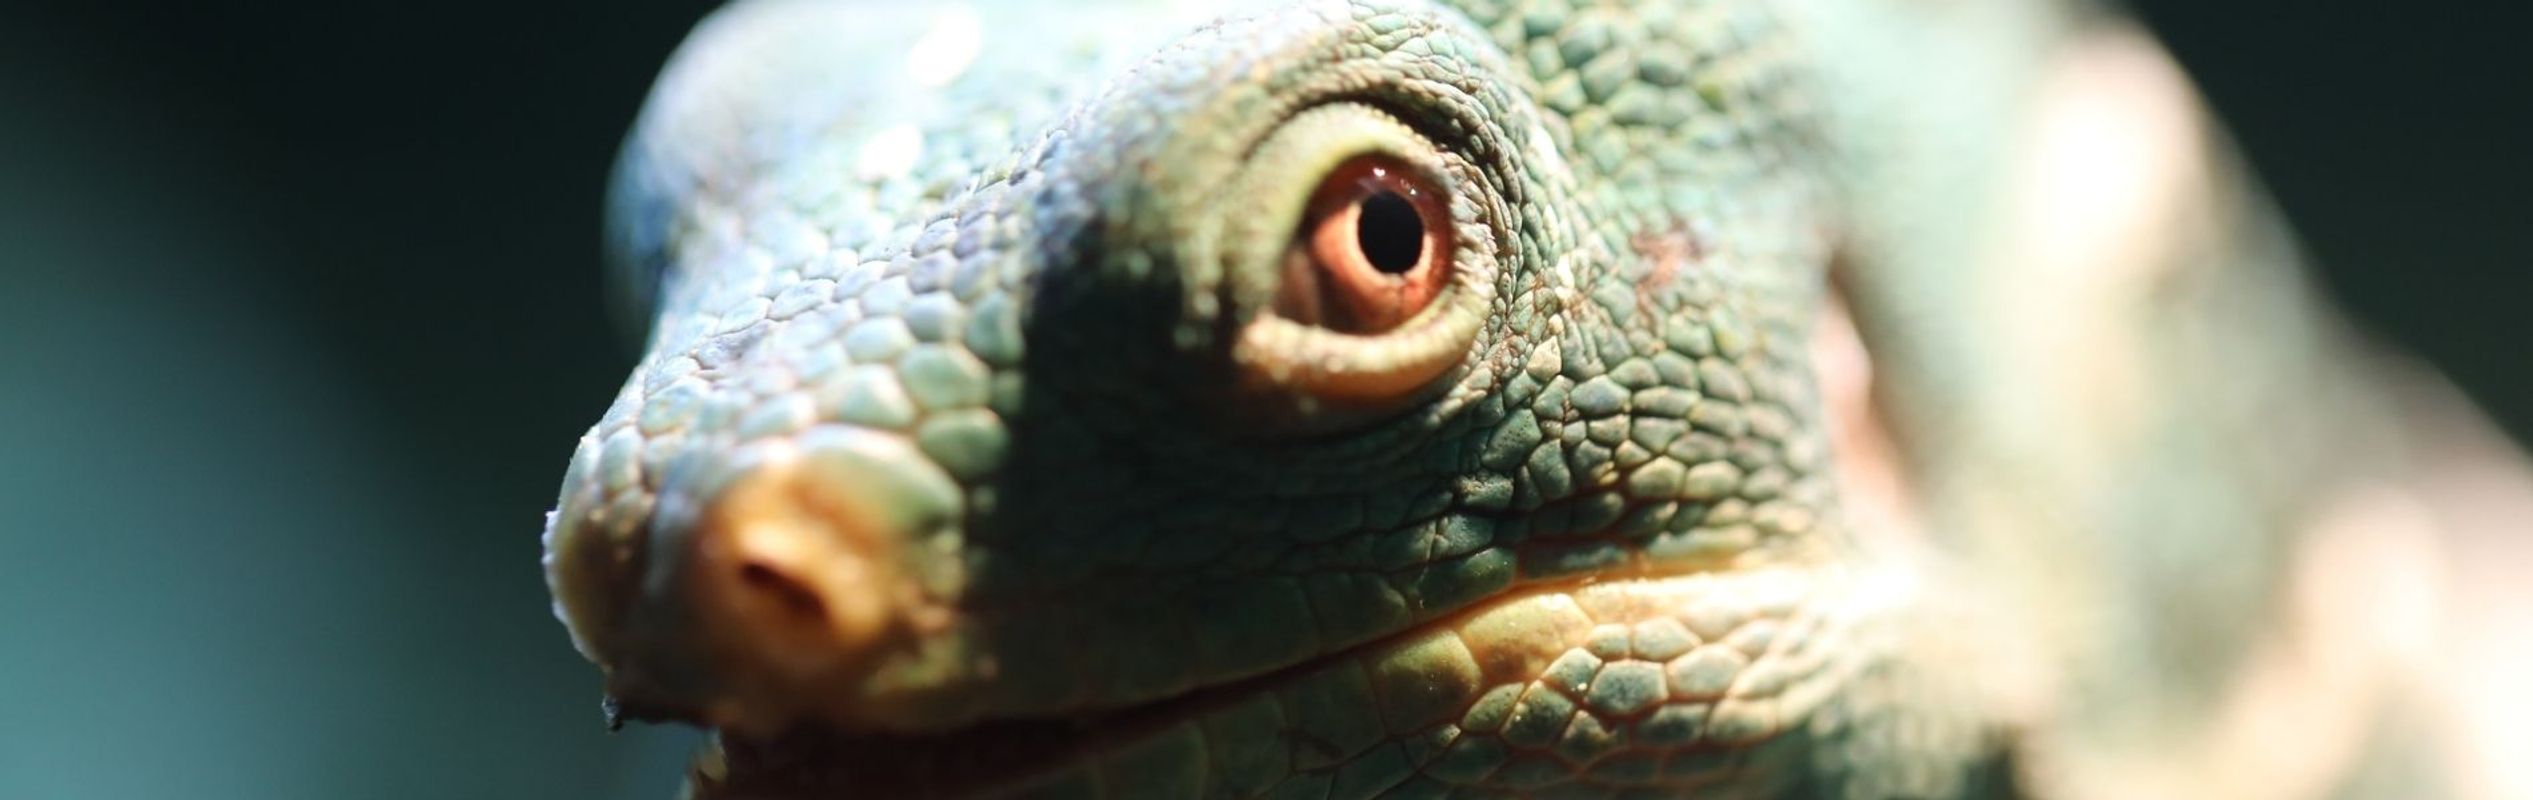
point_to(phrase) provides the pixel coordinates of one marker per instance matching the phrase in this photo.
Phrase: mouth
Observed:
(996, 754)
(1662, 665)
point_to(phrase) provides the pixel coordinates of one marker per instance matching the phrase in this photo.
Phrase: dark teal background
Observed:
(299, 318)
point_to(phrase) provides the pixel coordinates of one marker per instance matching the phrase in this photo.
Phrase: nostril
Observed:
(790, 584)
(793, 583)
(793, 596)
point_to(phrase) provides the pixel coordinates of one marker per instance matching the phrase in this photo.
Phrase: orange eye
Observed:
(1374, 249)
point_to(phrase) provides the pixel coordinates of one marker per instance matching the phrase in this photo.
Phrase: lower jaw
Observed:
(1643, 682)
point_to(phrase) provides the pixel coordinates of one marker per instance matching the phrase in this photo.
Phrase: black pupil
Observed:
(1390, 233)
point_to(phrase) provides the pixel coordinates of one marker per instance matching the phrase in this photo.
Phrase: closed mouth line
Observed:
(1006, 752)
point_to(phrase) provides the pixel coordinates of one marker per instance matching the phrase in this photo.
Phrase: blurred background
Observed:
(300, 318)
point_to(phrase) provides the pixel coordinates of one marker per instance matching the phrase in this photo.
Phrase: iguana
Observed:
(1499, 398)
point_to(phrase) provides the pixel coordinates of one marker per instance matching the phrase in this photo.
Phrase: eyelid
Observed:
(1379, 369)
(1288, 364)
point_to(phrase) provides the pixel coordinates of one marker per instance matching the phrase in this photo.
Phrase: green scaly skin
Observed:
(986, 277)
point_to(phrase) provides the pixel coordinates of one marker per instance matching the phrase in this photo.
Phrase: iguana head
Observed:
(1315, 386)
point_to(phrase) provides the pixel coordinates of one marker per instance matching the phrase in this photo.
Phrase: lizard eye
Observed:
(1362, 249)
(1373, 250)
